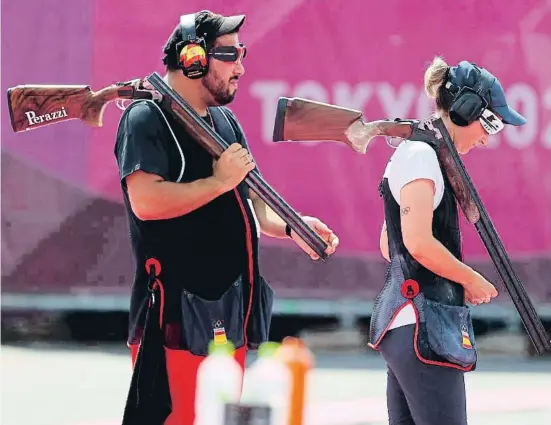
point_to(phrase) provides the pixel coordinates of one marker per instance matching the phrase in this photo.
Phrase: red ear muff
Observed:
(191, 51)
(193, 60)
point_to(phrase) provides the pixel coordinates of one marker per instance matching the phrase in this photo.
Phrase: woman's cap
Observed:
(467, 74)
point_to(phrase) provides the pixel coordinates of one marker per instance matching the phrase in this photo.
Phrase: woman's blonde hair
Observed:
(435, 76)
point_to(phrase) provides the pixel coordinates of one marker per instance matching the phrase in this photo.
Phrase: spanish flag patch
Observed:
(466, 341)
(220, 336)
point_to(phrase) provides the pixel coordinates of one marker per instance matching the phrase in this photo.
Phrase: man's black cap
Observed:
(212, 25)
(208, 25)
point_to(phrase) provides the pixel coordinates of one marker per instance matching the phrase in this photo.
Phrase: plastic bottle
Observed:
(268, 384)
(219, 380)
(299, 361)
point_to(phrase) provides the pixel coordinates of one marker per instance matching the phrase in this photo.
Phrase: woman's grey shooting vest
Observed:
(444, 334)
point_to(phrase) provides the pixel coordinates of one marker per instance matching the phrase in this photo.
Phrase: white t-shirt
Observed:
(413, 160)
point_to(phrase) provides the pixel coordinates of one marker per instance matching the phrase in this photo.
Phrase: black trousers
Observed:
(418, 393)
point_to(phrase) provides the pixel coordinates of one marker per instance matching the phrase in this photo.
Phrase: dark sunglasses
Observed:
(228, 53)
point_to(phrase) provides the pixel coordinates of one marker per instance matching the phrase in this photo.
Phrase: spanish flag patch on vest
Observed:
(466, 343)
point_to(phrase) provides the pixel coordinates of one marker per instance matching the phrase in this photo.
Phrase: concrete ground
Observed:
(70, 384)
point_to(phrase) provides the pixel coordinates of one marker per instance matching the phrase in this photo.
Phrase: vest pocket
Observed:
(220, 320)
(450, 332)
(258, 326)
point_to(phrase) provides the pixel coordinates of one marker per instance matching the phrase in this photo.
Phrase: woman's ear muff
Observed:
(469, 103)
(466, 109)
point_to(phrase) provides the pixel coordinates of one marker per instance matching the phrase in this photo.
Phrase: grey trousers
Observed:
(418, 393)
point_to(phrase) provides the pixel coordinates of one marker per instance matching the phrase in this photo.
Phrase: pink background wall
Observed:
(60, 185)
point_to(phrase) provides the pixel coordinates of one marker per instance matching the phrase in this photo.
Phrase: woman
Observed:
(420, 322)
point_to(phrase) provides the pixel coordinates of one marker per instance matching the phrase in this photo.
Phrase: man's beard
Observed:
(219, 90)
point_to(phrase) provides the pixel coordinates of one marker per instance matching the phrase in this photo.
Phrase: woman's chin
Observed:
(464, 150)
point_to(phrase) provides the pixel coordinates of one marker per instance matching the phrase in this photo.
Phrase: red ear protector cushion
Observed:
(192, 55)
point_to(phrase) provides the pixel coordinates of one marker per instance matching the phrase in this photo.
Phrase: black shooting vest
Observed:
(242, 314)
(444, 333)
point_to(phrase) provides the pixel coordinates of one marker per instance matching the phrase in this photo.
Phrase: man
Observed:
(194, 223)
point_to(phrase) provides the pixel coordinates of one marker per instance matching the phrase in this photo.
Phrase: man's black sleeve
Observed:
(141, 141)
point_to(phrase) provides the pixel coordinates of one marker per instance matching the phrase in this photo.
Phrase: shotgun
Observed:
(303, 120)
(35, 106)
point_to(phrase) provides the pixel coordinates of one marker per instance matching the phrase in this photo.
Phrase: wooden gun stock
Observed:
(303, 120)
(300, 119)
(34, 106)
